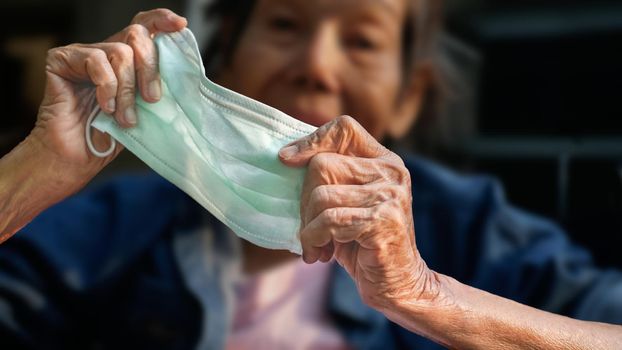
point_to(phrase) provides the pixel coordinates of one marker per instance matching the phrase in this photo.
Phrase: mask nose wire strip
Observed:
(89, 141)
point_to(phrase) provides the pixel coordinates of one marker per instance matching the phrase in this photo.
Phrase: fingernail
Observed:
(288, 151)
(130, 115)
(111, 105)
(154, 89)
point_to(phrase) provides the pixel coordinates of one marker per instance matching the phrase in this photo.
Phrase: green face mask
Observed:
(218, 146)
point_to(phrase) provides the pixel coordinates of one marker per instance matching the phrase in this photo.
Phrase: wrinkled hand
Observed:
(80, 76)
(356, 205)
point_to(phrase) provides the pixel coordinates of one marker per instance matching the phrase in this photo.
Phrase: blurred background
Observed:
(536, 104)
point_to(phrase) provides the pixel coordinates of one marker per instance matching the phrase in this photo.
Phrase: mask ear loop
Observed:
(89, 141)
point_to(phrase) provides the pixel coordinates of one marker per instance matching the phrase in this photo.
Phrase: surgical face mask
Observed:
(218, 146)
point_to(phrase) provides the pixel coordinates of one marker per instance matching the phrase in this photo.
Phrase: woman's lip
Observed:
(313, 118)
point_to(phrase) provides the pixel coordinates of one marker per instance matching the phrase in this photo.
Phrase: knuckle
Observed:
(404, 178)
(134, 32)
(402, 174)
(380, 150)
(388, 193)
(139, 16)
(319, 163)
(347, 130)
(396, 172)
(313, 166)
(121, 52)
(391, 211)
(345, 122)
(344, 130)
(135, 29)
(163, 12)
(55, 51)
(330, 217)
(394, 157)
(320, 195)
(95, 56)
(56, 54)
(404, 196)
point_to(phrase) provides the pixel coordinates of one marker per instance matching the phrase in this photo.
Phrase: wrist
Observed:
(32, 178)
(422, 288)
(36, 166)
(429, 293)
(431, 309)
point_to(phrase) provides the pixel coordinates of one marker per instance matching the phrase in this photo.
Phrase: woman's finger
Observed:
(110, 67)
(85, 64)
(139, 36)
(340, 224)
(145, 61)
(371, 228)
(349, 196)
(337, 169)
(160, 20)
(103, 77)
(121, 57)
(343, 135)
(156, 21)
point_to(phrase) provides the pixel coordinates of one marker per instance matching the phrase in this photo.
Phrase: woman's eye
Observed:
(361, 43)
(282, 24)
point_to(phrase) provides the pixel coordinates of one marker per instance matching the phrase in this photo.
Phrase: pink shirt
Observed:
(284, 308)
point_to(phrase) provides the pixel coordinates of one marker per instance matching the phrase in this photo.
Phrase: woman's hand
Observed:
(79, 76)
(356, 205)
(53, 162)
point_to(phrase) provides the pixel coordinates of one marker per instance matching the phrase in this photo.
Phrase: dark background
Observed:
(548, 117)
(538, 105)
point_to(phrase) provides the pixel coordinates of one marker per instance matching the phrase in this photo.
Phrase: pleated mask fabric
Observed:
(218, 146)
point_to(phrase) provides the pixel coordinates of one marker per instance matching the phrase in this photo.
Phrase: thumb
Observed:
(343, 135)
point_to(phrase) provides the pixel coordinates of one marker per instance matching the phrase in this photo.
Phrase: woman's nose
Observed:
(318, 65)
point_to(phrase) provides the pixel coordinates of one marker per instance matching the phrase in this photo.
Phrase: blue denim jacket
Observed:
(100, 270)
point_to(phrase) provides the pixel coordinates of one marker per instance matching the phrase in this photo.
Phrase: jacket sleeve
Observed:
(465, 228)
(73, 254)
(531, 260)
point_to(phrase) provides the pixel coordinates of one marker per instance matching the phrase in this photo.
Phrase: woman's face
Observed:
(316, 60)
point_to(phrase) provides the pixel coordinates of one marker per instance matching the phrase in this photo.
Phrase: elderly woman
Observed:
(135, 262)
